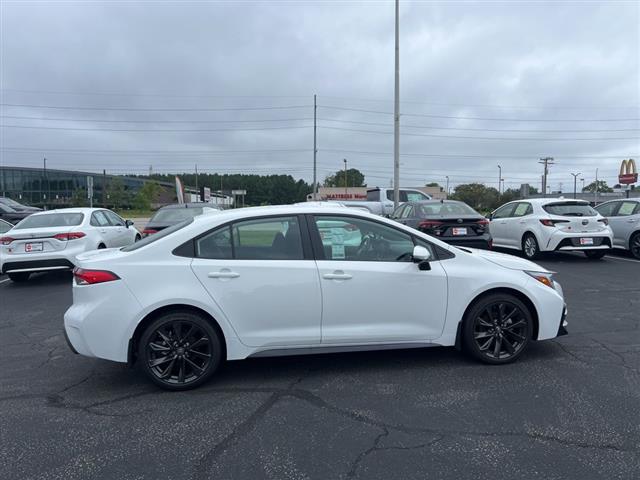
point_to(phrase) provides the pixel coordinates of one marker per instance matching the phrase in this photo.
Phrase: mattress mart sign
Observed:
(337, 193)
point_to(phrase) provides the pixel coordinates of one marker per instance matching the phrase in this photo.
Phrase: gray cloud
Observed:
(517, 61)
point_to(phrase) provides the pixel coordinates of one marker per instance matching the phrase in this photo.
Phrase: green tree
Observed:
(79, 198)
(116, 194)
(602, 187)
(477, 196)
(146, 196)
(433, 184)
(355, 178)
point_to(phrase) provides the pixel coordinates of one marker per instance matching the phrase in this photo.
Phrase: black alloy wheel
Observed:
(530, 247)
(497, 329)
(634, 245)
(180, 350)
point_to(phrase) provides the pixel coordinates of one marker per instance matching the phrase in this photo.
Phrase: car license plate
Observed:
(459, 231)
(33, 247)
(586, 241)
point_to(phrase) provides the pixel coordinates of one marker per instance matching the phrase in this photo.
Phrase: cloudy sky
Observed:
(229, 86)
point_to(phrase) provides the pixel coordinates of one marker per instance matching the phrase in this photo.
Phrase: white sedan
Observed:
(263, 282)
(539, 225)
(52, 240)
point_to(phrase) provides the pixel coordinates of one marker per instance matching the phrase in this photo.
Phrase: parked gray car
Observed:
(624, 220)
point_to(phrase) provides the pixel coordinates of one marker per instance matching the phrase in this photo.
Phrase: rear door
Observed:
(372, 292)
(100, 222)
(498, 225)
(262, 275)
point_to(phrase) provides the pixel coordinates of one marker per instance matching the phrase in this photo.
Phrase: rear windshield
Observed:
(445, 209)
(570, 209)
(45, 220)
(157, 236)
(175, 215)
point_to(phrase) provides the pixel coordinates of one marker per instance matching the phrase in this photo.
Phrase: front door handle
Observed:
(223, 274)
(338, 275)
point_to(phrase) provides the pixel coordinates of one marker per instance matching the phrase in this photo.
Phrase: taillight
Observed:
(551, 223)
(69, 236)
(603, 220)
(484, 222)
(6, 240)
(90, 277)
(428, 224)
(149, 231)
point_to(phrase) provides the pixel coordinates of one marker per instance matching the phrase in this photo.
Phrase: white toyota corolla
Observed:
(264, 281)
(53, 239)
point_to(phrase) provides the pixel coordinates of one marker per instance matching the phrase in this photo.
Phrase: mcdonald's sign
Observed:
(628, 172)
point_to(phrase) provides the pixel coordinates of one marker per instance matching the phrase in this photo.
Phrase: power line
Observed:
(333, 107)
(91, 120)
(131, 109)
(129, 130)
(161, 95)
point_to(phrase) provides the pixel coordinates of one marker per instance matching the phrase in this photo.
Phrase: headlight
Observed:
(544, 278)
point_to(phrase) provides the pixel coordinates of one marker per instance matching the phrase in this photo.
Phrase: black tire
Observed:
(634, 245)
(497, 329)
(595, 254)
(19, 276)
(180, 351)
(530, 247)
(137, 239)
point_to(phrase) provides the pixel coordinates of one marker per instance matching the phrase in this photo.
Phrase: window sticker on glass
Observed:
(337, 246)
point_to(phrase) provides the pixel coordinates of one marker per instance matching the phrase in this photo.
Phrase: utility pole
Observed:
(575, 180)
(596, 189)
(44, 179)
(447, 188)
(345, 175)
(499, 178)
(104, 188)
(396, 117)
(197, 190)
(546, 162)
(315, 148)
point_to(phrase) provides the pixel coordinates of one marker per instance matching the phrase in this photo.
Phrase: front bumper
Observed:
(562, 329)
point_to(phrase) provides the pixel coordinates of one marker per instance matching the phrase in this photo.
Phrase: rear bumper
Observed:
(36, 265)
(563, 242)
(484, 242)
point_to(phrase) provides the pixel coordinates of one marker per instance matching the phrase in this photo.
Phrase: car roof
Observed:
(433, 202)
(86, 210)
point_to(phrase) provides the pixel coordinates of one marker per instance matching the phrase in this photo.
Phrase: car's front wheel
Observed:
(19, 276)
(180, 350)
(497, 329)
(530, 247)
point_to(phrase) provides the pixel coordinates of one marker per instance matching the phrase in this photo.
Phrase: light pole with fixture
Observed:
(345, 175)
(575, 179)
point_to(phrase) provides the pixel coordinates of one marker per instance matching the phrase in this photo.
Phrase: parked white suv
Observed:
(550, 224)
(51, 240)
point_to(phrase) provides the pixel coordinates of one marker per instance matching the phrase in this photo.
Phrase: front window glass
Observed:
(607, 209)
(114, 219)
(570, 209)
(504, 211)
(99, 219)
(416, 197)
(355, 239)
(51, 220)
(175, 215)
(268, 239)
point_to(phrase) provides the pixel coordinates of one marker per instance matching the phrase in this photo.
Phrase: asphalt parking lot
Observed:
(569, 409)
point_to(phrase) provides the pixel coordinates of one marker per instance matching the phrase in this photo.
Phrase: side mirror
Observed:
(129, 223)
(421, 256)
(490, 216)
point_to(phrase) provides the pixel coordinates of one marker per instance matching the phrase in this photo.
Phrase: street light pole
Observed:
(575, 180)
(396, 116)
(345, 175)
(447, 189)
(499, 177)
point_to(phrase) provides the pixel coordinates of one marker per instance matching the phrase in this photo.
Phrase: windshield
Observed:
(570, 209)
(45, 220)
(428, 209)
(157, 236)
(175, 215)
(10, 202)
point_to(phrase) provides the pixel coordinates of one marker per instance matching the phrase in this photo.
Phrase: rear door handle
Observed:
(337, 276)
(223, 274)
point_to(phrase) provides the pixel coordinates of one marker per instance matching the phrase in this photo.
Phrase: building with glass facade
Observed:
(63, 188)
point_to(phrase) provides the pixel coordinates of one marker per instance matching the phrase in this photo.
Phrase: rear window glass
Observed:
(175, 215)
(51, 220)
(446, 209)
(156, 236)
(570, 209)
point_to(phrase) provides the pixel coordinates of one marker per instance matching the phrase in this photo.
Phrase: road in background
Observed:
(568, 409)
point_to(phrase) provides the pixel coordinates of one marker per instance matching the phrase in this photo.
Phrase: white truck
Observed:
(380, 200)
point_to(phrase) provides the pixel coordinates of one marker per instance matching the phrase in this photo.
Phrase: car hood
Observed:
(507, 261)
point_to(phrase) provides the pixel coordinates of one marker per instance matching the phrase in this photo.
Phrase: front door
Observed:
(498, 225)
(371, 290)
(263, 279)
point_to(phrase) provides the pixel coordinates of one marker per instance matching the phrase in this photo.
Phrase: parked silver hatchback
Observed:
(624, 220)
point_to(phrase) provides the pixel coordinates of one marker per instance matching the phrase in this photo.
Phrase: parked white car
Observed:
(263, 282)
(624, 220)
(550, 224)
(52, 240)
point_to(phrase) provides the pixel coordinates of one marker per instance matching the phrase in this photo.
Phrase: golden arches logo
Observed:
(628, 172)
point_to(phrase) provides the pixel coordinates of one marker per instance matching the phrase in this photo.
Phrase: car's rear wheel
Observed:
(497, 329)
(595, 254)
(19, 276)
(138, 238)
(530, 247)
(634, 245)
(180, 350)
